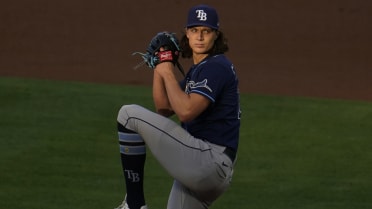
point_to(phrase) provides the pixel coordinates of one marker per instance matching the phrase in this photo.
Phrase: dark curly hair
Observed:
(220, 46)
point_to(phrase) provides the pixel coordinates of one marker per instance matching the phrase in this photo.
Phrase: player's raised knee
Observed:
(125, 112)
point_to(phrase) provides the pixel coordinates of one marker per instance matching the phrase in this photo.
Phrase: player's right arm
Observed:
(160, 96)
(186, 106)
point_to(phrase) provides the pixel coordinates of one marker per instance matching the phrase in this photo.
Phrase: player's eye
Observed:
(207, 31)
(193, 30)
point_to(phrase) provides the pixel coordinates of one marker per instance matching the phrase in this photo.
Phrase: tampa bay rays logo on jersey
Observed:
(201, 15)
(202, 84)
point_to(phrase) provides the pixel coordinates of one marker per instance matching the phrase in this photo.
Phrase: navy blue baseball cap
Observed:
(203, 15)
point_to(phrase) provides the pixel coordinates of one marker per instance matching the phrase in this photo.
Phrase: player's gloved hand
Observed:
(169, 53)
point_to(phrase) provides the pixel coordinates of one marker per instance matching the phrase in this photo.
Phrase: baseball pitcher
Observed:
(200, 152)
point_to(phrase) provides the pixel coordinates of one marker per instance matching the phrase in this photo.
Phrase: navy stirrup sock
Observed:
(133, 156)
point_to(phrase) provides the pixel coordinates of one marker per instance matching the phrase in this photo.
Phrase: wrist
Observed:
(165, 65)
(165, 70)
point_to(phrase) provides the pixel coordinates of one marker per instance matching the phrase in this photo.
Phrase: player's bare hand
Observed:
(164, 68)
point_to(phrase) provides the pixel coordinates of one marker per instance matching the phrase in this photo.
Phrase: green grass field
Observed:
(59, 149)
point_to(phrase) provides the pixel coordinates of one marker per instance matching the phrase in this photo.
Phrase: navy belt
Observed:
(230, 153)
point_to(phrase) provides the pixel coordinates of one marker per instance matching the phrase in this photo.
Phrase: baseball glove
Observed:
(170, 52)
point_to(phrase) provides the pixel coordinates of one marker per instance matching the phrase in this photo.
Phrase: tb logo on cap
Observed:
(201, 15)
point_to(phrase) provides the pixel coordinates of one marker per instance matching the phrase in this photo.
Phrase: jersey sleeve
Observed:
(209, 80)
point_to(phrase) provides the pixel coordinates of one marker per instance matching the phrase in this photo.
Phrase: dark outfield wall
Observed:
(293, 47)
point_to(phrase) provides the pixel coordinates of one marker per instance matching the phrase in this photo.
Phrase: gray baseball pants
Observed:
(201, 171)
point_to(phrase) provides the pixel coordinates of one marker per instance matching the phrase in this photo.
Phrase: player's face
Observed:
(201, 39)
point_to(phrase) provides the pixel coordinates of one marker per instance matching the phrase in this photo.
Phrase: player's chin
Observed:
(200, 50)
